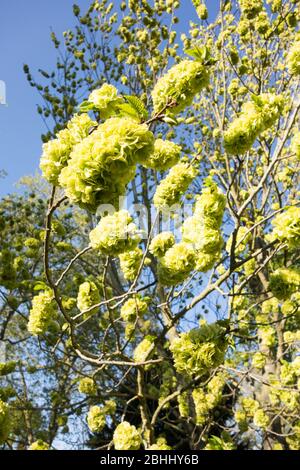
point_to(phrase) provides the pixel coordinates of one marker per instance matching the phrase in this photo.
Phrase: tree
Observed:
(177, 316)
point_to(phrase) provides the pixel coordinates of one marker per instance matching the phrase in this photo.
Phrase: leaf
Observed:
(86, 106)
(127, 110)
(40, 285)
(138, 105)
(170, 119)
(201, 53)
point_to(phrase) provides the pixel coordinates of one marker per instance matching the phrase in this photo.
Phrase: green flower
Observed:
(103, 164)
(126, 437)
(96, 419)
(287, 227)
(133, 308)
(179, 86)
(115, 234)
(130, 262)
(166, 154)
(161, 444)
(56, 152)
(177, 263)
(284, 282)
(39, 445)
(43, 313)
(256, 116)
(87, 386)
(174, 185)
(161, 243)
(106, 100)
(295, 144)
(198, 351)
(88, 295)
(293, 59)
(250, 8)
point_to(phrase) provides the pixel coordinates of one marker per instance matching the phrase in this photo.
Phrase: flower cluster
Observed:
(174, 185)
(178, 87)
(43, 313)
(106, 100)
(201, 9)
(126, 437)
(102, 165)
(284, 282)
(133, 308)
(161, 243)
(143, 350)
(295, 144)
(287, 227)
(161, 444)
(250, 8)
(88, 295)
(87, 386)
(165, 155)
(96, 419)
(130, 262)
(39, 445)
(198, 351)
(293, 59)
(176, 264)
(256, 116)
(56, 152)
(207, 400)
(202, 230)
(250, 410)
(4, 421)
(115, 234)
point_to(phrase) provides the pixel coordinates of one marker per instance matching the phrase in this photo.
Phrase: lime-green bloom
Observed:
(177, 263)
(287, 227)
(293, 59)
(250, 8)
(256, 116)
(161, 243)
(43, 312)
(87, 386)
(96, 419)
(39, 445)
(126, 437)
(161, 444)
(179, 86)
(106, 100)
(174, 185)
(166, 154)
(115, 234)
(202, 230)
(295, 144)
(88, 295)
(200, 350)
(102, 165)
(56, 152)
(284, 282)
(133, 308)
(130, 262)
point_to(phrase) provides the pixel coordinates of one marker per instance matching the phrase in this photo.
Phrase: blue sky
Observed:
(24, 38)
